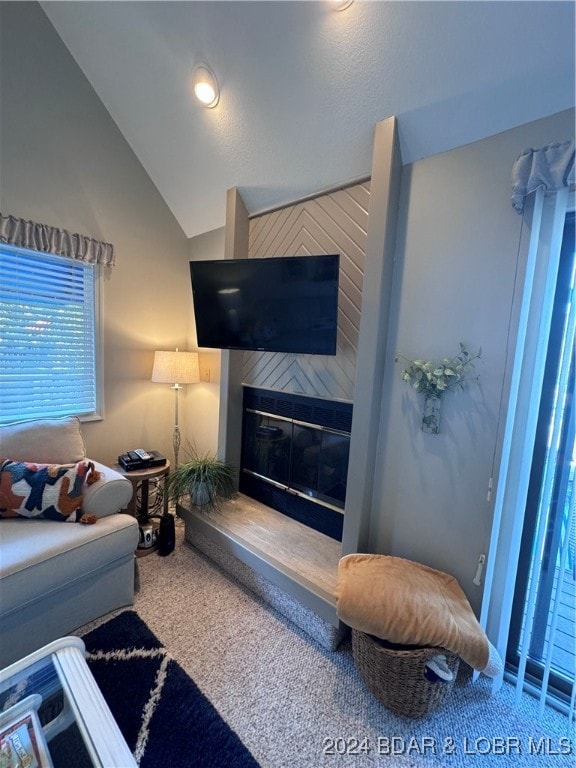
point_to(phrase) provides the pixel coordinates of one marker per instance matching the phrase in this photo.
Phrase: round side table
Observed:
(142, 477)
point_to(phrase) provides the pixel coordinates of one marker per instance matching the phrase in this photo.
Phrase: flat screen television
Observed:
(279, 304)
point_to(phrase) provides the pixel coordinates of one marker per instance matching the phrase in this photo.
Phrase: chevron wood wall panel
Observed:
(333, 223)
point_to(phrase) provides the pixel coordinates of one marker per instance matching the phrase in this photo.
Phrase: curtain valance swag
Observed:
(47, 239)
(550, 167)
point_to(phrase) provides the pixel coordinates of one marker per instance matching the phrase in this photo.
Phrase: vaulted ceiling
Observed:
(303, 85)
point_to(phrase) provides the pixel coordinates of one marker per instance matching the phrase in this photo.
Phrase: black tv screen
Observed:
(279, 304)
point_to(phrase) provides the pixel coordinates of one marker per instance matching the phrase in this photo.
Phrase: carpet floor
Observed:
(296, 705)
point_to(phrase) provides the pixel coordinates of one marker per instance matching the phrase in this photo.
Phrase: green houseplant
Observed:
(433, 378)
(204, 478)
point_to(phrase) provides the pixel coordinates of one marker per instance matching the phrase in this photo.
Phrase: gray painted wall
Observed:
(64, 162)
(458, 239)
(202, 425)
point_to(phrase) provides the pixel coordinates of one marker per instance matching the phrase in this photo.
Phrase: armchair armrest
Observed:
(108, 495)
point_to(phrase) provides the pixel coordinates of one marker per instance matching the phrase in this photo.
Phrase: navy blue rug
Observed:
(164, 717)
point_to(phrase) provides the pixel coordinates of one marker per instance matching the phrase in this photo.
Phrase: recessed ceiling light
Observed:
(340, 5)
(206, 86)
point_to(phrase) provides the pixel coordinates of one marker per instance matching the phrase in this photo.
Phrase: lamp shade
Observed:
(176, 368)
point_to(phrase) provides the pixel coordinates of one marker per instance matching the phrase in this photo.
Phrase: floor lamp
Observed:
(176, 368)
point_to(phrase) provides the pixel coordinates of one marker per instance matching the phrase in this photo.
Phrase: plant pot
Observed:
(201, 495)
(204, 479)
(431, 415)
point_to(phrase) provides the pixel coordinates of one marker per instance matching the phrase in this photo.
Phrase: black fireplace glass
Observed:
(333, 467)
(305, 452)
(267, 447)
(319, 464)
(295, 451)
(308, 459)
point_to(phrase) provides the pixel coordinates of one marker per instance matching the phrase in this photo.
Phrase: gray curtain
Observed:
(47, 239)
(550, 167)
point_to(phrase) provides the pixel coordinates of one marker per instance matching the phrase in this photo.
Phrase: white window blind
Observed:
(47, 336)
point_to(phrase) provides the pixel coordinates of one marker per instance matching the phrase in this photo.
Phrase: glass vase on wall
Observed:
(431, 415)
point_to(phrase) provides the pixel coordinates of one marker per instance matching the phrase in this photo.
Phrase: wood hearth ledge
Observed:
(298, 560)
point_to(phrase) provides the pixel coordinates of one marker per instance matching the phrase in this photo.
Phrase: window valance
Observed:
(47, 239)
(550, 167)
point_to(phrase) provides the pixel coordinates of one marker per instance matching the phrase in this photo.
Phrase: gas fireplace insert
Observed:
(295, 452)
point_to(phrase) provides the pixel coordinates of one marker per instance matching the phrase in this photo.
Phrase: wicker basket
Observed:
(396, 677)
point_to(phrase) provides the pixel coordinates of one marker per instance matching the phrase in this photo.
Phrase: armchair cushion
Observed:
(46, 441)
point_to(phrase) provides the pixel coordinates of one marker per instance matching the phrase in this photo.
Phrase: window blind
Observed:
(546, 648)
(47, 336)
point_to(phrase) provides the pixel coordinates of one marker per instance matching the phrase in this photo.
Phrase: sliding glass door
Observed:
(541, 647)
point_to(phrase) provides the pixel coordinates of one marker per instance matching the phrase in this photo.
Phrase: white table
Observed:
(55, 687)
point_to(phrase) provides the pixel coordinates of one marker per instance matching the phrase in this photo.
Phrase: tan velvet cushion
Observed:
(43, 441)
(409, 603)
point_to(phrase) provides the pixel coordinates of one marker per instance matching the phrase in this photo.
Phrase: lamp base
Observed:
(176, 441)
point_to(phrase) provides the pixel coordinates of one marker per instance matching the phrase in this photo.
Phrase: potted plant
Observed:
(204, 478)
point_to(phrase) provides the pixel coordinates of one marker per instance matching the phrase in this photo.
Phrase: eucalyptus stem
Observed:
(430, 377)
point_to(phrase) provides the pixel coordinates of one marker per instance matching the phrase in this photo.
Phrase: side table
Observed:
(52, 693)
(142, 477)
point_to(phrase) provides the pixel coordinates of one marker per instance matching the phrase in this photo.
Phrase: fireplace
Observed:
(295, 452)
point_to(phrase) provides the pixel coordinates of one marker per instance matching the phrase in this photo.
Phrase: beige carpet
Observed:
(296, 705)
